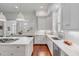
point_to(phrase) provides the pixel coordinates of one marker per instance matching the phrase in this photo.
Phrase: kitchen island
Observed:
(23, 46)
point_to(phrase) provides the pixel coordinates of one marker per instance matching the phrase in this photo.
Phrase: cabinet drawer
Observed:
(15, 50)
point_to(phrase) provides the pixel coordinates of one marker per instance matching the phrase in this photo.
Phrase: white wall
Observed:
(72, 35)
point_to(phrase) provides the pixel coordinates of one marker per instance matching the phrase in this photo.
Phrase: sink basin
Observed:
(29, 36)
(7, 40)
(55, 38)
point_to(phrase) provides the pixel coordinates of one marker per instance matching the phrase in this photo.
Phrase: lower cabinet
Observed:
(40, 39)
(12, 50)
(56, 50)
(16, 50)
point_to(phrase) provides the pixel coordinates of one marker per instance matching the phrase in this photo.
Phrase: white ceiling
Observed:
(23, 7)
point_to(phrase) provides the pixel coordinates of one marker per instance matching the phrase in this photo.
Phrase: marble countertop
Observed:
(72, 50)
(42, 32)
(36, 33)
(22, 40)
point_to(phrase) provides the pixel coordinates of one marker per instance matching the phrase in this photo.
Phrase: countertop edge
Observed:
(67, 49)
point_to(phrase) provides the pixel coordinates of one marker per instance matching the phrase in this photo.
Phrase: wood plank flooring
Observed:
(40, 50)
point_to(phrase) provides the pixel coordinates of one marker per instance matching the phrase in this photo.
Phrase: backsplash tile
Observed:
(72, 35)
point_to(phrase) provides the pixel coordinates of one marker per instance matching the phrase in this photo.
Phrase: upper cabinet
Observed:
(65, 16)
(70, 16)
(75, 16)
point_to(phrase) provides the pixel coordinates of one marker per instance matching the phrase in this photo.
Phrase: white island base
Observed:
(21, 47)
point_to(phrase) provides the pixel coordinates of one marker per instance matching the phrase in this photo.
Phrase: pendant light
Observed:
(2, 17)
(20, 17)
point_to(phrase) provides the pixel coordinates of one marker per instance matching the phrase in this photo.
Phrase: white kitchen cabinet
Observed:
(40, 39)
(29, 49)
(70, 16)
(50, 45)
(56, 50)
(16, 50)
(66, 16)
(11, 50)
(75, 16)
(21, 47)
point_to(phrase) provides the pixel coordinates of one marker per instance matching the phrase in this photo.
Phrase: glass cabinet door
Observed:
(1, 28)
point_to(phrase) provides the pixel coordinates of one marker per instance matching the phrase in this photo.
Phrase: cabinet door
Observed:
(50, 45)
(66, 16)
(56, 50)
(40, 40)
(12, 50)
(75, 16)
(20, 49)
(70, 16)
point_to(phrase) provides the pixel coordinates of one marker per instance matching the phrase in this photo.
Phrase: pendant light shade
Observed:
(2, 17)
(20, 17)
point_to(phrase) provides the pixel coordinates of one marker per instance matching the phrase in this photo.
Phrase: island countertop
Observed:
(21, 40)
(72, 50)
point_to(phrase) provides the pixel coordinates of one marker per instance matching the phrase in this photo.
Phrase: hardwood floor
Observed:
(41, 50)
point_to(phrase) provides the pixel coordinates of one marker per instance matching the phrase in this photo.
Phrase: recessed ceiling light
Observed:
(16, 6)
